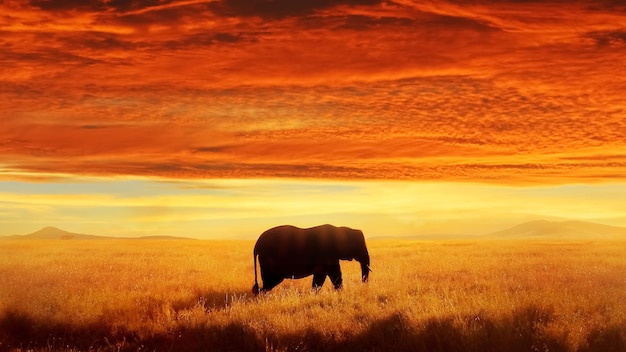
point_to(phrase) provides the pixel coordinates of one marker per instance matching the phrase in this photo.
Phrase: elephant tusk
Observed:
(370, 269)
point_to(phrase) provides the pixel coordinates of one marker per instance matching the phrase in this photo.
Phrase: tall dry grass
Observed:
(141, 295)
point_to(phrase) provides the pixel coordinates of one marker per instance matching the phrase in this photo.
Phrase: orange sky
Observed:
(496, 92)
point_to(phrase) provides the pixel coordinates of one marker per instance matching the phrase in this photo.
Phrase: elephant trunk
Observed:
(365, 269)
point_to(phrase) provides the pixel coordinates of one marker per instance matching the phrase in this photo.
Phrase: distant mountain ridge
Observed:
(569, 229)
(561, 229)
(54, 233)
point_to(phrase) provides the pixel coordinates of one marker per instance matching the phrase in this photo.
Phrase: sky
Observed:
(222, 118)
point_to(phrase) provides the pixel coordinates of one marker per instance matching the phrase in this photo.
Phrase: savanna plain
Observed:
(194, 295)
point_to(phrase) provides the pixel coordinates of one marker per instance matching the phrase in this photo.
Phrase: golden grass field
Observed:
(177, 295)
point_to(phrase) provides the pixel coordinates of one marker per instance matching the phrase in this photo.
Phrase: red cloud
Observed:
(495, 91)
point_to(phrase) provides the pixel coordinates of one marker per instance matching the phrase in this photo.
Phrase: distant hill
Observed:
(561, 229)
(53, 233)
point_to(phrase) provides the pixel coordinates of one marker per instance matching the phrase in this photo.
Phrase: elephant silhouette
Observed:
(289, 252)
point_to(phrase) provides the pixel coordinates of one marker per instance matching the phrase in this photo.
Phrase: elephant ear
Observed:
(344, 243)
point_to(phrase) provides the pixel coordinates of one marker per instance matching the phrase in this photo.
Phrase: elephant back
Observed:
(315, 243)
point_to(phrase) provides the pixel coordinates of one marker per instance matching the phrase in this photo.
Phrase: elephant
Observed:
(289, 252)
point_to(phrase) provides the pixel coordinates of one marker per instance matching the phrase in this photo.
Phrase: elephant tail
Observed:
(255, 288)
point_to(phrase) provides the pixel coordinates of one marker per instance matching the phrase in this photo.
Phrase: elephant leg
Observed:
(334, 273)
(269, 282)
(318, 280)
(268, 275)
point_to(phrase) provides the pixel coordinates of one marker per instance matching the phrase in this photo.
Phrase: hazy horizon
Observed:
(534, 228)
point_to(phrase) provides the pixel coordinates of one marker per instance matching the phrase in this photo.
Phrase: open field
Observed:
(168, 295)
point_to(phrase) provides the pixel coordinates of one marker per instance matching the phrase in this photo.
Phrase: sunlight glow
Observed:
(242, 208)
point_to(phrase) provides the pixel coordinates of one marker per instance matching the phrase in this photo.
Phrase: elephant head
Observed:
(351, 246)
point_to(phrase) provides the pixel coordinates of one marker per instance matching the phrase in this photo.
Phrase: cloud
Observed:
(203, 40)
(362, 22)
(278, 9)
(173, 16)
(100, 5)
(486, 90)
(64, 5)
(128, 5)
(413, 21)
(608, 38)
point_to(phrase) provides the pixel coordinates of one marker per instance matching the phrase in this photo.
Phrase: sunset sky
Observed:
(223, 118)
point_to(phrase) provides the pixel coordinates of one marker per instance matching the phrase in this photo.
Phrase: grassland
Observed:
(136, 295)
